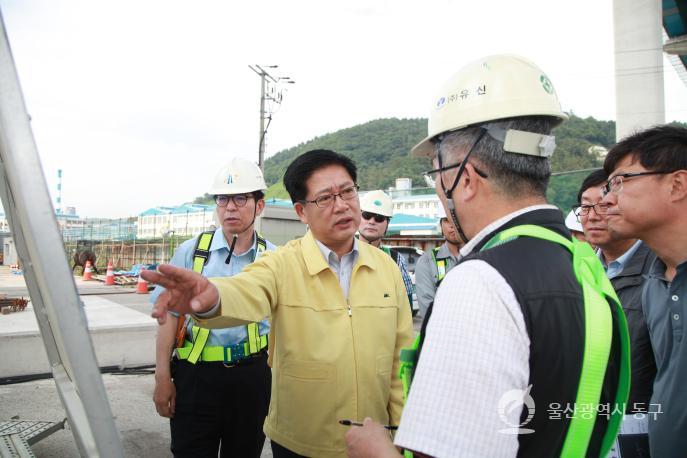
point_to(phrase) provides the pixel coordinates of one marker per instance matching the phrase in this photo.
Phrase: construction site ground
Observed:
(130, 391)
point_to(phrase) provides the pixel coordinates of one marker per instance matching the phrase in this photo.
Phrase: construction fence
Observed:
(117, 241)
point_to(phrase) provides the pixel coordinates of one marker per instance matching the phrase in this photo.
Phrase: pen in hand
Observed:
(357, 423)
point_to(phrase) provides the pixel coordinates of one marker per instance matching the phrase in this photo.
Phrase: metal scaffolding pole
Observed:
(59, 311)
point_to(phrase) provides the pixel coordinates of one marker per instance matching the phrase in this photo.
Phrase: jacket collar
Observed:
(315, 261)
(636, 264)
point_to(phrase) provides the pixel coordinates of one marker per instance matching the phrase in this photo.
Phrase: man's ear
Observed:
(300, 211)
(678, 190)
(259, 206)
(470, 182)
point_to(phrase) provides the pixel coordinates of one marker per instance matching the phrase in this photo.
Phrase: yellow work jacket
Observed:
(332, 358)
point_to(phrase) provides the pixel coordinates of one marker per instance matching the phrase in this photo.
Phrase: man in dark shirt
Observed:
(646, 194)
(626, 260)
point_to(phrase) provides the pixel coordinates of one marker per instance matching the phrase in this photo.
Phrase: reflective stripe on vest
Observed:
(440, 263)
(200, 335)
(229, 354)
(598, 293)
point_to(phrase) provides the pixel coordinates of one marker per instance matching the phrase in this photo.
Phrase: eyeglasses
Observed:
(328, 199)
(238, 199)
(432, 174)
(583, 210)
(378, 218)
(615, 183)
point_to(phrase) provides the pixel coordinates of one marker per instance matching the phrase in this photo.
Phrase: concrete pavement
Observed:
(112, 312)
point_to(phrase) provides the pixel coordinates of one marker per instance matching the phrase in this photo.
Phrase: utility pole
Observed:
(270, 92)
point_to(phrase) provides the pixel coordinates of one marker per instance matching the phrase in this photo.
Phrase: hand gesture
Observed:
(186, 292)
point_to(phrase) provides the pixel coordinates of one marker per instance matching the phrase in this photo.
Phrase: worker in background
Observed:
(377, 209)
(214, 385)
(339, 310)
(507, 332)
(646, 194)
(433, 265)
(572, 222)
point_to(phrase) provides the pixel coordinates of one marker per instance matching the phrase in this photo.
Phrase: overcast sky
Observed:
(139, 102)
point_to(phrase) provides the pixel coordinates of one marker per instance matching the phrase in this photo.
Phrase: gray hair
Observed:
(512, 174)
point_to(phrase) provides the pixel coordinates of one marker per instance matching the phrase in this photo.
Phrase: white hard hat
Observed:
(239, 176)
(493, 88)
(441, 212)
(572, 223)
(378, 202)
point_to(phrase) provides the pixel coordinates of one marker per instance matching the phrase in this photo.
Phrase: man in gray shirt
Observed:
(646, 194)
(433, 266)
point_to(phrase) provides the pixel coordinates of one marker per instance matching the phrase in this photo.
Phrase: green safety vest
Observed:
(194, 350)
(598, 293)
(440, 263)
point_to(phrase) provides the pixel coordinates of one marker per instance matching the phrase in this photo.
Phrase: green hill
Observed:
(381, 151)
(381, 148)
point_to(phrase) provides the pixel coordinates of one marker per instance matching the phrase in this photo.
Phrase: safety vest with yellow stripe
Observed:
(598, 294)
(440, 263)
(197, 350)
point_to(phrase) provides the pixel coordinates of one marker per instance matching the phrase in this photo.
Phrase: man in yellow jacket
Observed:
(339, 312)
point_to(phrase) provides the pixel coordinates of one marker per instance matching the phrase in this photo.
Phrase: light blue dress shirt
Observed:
(217, 267)
(343, 268)
(616, 267)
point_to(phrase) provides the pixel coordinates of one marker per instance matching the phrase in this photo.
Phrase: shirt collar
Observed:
(219, 242)
(330, 256)
(445, 253)
(624, 258)
(317, 259)
(467, 249)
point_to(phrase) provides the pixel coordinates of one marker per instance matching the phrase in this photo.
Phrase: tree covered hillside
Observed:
(381, 150)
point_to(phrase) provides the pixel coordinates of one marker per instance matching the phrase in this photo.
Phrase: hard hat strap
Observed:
(449, 192)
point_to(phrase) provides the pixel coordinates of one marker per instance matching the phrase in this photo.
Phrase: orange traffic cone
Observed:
(109, 278)
(87, 271)
(142, 285)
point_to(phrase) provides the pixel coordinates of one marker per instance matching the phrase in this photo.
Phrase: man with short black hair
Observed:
(627, 261)
(646, 194)
(339, 311)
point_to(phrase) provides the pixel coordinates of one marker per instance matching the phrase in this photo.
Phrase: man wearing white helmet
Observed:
(434, 264)
(377, 209)
(572, 222)
(510, 328)
(216, 388)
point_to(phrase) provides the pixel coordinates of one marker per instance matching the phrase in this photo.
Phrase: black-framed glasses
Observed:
(432, 174)
(377, 217)
(328, 199)
(239, 199)
(615, 183)
(583, 210)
